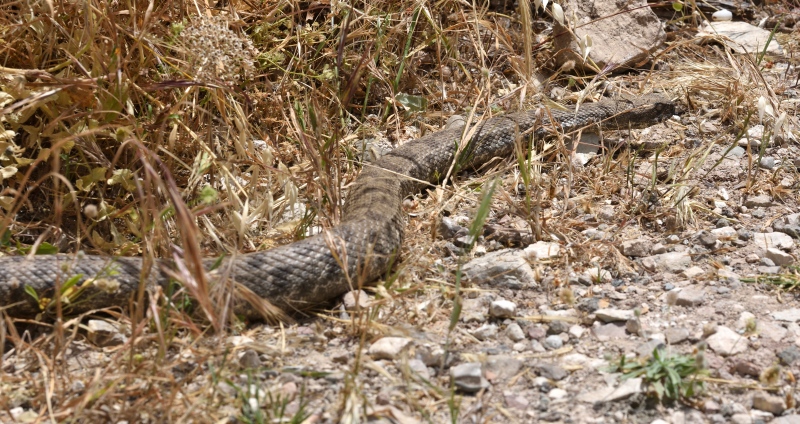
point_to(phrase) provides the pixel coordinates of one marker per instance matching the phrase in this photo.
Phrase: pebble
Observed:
(690, 297)
(553, 342)
(777, 240)
(614, 315)
(758, 201)
(389, 348)
(485, 332)
(514, 332)
(727, 342)
(676, 335)
(249, 359)
(769, 403)
(767, 162)
(722, 15)
(103, 334)
(779, 257)
(502, 309)
(542, 250)
(789, 355)
(468, 377)
(356, 299)
(789, 315)
(557, 327)
(501, 367)
(636, 248)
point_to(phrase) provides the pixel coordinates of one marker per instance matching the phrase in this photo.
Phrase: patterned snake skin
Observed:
(308, 273)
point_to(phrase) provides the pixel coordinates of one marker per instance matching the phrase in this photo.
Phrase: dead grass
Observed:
(167, 129)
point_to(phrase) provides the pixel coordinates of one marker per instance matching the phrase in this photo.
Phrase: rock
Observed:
(542, 250)
(597, 275)
(419, 367)
(496, 267)
(104, 334)
(450, 230)
(769, 403)
(514, 332)
(389, 348)
(430, 355)
(789, 225)
(779, 257)
(633, 326)
(557, 327)
(760, 201)
(557, 394)
(576, 331)
(747, 368)
(727, 342)
(789, 355)
(788, 315)
(614, 315)
(774, 239)
(551, 371)
(636, 248)
(707, 239)
(485, 332)
(767, 162)
(646, 349)
(692, 272)
(741, 37)
(502, 309)
(741, 418)
(629, 33)
(356, 299)
(515, 401)
(625, 390)
(676, 335)
(673, 262)
(468, 377)
(786, 419)
(609, 331)
(553, 342)
(690, 297)
(725, 233)
(249, 359)
(501, 367)
(536, 332)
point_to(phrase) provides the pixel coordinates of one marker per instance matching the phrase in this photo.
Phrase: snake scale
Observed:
(313, 271)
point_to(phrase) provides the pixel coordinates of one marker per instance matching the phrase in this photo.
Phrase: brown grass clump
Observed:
(181, 130)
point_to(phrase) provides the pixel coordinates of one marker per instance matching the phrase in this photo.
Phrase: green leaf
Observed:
(412, 103)
(46, 249)
(71, 282)
(32, 293)
(677, 6)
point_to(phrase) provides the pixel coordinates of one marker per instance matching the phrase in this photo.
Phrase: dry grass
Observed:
(172, 129)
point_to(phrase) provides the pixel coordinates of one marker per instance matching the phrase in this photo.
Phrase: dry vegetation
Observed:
(179, 129)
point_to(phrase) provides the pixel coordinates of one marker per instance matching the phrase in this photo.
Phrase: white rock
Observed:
(542, 250)
(779, 257)
(722, 15)
(724, 232)
(612, 315)
(777, 240)
(503, 309)
(727, 342)
(389, 347)
(790, 315)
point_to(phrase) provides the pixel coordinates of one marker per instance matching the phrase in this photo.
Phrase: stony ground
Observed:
(668, 246)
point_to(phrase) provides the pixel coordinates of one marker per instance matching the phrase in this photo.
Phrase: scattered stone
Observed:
(577, 331)
(501, 367)
(389, 348)
(419, 367)
(542, 250)
(450, 230)
(431, 355)
(769, 403)
(356, 299)
(249, 359)
(646, 349)
(676, 335)
(625, 390)
(614, 315)
(789, 315)
(629, 35)
(514, 332)
(557, 327)
(633, 326)
(553, 342)
(774, 239)
(789, 225)
(468, 377)
(485, 332)
(551, 371)
(557, 394)
(767, 162)
(691, 297)
(789, 355)
(673, 262)
(786, 419)
(707, 239)
(536, 332)
(515, 401)
(636, 248)
(104, 334)
(503, 309)
(726, 342)
(779, 257)
(725, 233)
(496, 267)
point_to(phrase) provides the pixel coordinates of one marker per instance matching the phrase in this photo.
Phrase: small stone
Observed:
(536, 332)
(389, 347)
(786, 419)
(450, 230)
(779, 257)
(501, 367)
(646, 349)
(707, 239)
(692, 272)
(502, 309)
(711, 407)
(690, 297)
(249, 359)
(760, 201)
(752, 258)
(767, 162)
(747, 368)
(769, 403)
(789, 355)
(557, 394)
(633, 326)
(726, 342)
(498, 266)
(614, 315)
(557, 327)
(551, 371)
(722, 15)
(774, 239)
(515, 401)
(485, 332)
(553, 342)
(514, 332)
(636, 248)
(356, 299)
(419, 368)
(542, 250)
(658, 249)
(742, 418)
(103, 334)
(669, 286)
(430, 355)
(609, 331)
(468, 377)
(676, 335)
(673, 262)
(625, 390)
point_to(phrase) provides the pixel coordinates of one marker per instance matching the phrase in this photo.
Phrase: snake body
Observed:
(313, 271)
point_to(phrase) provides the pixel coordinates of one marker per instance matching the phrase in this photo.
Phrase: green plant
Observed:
(672, 377)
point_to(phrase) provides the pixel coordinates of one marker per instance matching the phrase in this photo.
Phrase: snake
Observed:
(363, 247)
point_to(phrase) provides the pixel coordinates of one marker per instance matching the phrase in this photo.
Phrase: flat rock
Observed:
(759, 201)
(636, 248)
(741, 37)
(788, 315)
(628, 33)
(769, 403)
(789, 225)
(786, 419)
(468, 377)
(389, 347)
(502, 309)
(775, 239)
(614, 315)
(727, 342)
(102, 333)
(542, 250)
(779, 257)
(609, 331)
(495, 267)
(625, 390)
(673, 262)
(676, 335)
(724, 232)
(691, 297)
(501, 367)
